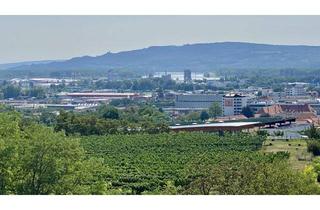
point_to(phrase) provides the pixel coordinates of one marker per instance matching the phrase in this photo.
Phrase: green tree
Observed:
(204, 115)
(11, 91)
(215, 110)
(314, 147)
(264, 176)
(313, 132)
(36, 92)
(37, 160)
(109, 112)
(247, 111)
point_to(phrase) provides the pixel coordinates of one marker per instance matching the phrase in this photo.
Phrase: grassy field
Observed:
(299, 157)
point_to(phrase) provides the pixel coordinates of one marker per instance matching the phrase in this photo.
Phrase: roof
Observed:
(99, 94)
(308, 117)
(232, 117)
(217, 125)
(286, 108)
(232, 95)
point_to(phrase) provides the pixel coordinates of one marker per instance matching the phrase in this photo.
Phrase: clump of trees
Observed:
(269, 176)
(14, 91)
(314, 143)
(215, 110)
(204, 116)
(36, 160)
(247, 111)
(314, 147)
(152, 84)
(109, 120)
(313, 132)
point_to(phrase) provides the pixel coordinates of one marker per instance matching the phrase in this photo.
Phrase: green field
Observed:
(299, 157)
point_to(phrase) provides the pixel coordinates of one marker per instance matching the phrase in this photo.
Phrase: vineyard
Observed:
(145, 163)
(35, 159)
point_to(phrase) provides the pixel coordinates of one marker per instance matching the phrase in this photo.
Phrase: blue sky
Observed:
(26, 38)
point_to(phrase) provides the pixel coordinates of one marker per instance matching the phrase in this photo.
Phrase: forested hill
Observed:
(198, 57)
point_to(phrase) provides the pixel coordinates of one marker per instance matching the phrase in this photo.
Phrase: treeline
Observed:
(14, 91)
(152, 84)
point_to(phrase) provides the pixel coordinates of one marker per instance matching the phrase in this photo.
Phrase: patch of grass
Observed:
(299, 156)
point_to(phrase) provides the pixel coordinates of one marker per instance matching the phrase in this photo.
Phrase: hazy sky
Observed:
(26, 38)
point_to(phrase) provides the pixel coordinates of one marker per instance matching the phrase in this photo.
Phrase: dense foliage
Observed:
(109, 120)
(36, 160)
(14, 91)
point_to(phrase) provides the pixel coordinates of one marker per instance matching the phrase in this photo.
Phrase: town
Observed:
(187, 98)
(109, 106)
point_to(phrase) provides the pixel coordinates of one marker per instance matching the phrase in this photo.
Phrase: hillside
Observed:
(26, 63)
(197, 57)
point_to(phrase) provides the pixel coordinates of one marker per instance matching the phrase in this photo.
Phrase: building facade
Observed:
(197, 101)
(233, 104)
(296, 89)
(187, 76)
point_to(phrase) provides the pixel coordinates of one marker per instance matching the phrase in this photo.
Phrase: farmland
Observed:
(299, 157)
(36, 159)
(150, 164)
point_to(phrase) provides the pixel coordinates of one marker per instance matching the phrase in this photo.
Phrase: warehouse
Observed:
(218, 127)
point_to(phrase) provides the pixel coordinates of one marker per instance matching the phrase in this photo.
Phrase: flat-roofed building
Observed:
(218, 127)
(101, 95)
(233, 104)
(197, 101)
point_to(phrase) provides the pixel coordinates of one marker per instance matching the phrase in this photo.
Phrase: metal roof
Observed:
(225, 124)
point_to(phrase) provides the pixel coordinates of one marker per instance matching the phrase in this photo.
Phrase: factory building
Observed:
(197, 101)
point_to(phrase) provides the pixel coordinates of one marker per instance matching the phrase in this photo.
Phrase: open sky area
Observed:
(29, 38)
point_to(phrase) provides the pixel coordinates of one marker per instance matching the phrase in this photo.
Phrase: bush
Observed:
(314, 147)
(262, 133)
(278, 133)
(313, 132)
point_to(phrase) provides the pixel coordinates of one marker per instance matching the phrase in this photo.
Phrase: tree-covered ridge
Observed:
(200, 57)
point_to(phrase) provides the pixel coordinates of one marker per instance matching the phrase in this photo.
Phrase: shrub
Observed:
(314, 147)
(313, 132)
(262, 133)
(278, 133)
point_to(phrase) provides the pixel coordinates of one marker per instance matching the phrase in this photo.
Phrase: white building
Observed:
(233, 104)
(296, 89)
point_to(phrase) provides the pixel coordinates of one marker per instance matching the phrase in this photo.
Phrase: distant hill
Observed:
(26, 63)
(197, 57)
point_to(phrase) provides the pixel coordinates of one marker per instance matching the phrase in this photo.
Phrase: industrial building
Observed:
(218, 127)
(197, 101)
